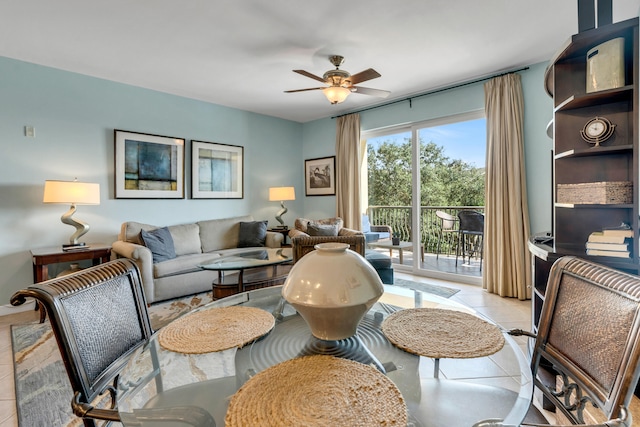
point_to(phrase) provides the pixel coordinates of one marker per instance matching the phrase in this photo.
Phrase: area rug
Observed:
(441, 291)
(43, 393)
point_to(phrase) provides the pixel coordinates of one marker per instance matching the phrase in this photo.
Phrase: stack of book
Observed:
(614, 243)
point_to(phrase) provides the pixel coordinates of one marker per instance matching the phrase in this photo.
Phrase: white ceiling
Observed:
(241, 53)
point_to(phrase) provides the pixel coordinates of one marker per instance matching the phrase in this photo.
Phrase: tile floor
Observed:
(508, 312)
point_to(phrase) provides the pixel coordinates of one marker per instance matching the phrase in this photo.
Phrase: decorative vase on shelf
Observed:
(332, 288)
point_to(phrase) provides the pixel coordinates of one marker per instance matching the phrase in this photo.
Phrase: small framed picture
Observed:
(320, 176)
(216, 171)
(148, 166)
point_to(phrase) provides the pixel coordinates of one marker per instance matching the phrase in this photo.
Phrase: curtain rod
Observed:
(432, 92)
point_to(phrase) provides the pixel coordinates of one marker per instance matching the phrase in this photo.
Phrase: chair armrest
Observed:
(344, 231)
(143, 258)
(520, 332)
(274, 240)
(302, 244)
(294, 232)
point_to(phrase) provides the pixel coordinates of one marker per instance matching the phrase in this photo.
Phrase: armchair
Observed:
(307, 233)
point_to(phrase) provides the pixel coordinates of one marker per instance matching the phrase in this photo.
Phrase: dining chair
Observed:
(587, 343)
(447, 227)
(99, 318)
(471, 225)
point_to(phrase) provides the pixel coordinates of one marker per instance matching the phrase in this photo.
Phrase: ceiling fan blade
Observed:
(368, 91)
(308, 74)
(363, 76)
(304, 90)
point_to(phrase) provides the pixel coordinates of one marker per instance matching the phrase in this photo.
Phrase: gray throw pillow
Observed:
(160, 242)
(252, 234)
(322, 229)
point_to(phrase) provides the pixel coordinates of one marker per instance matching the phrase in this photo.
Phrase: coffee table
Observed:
(400, 247)
(256, 267)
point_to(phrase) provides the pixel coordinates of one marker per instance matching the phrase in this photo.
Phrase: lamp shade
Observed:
(336, 94)
(71, 192)
(282, 193)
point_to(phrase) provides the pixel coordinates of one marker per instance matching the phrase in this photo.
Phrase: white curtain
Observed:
(348, 170)
(507, 269)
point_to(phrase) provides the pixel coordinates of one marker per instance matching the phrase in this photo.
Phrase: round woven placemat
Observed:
(318, 391)
(216, 329)
(440, 333)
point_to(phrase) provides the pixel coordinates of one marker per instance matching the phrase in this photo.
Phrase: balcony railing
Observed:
(400, 220)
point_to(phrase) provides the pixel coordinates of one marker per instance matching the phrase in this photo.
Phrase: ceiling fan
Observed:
(341, 83)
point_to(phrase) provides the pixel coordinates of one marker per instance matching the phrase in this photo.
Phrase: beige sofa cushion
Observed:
(130, 231)
(186, 239)
(216, 234)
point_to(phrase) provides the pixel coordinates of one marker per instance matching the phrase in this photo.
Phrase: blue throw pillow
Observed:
(160, 242)
(252, 234)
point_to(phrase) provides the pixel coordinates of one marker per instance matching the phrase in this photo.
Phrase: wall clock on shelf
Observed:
(597, 130)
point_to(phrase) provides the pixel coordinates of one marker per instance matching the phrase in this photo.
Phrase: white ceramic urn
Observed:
(332, 288)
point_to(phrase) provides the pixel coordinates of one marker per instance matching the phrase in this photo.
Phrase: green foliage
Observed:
(443, 181)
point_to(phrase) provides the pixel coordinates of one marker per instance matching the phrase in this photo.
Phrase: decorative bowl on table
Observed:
(332, 288)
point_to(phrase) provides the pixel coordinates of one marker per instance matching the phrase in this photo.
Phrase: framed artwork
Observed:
(320, 176)
(217, 171)
(148, 166)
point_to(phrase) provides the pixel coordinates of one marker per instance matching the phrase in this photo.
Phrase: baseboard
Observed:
(8, 309)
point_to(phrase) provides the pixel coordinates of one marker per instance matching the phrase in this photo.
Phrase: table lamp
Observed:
(282, 194)
(74, 193)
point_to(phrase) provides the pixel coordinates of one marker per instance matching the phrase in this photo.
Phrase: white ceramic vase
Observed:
(332, 288)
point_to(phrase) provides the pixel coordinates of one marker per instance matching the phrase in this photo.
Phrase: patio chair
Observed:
(588, 332)
(99, 318)
(447, 227)
(471, 227)
(374, 233)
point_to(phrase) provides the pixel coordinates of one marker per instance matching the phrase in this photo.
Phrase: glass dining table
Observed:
(447, 392)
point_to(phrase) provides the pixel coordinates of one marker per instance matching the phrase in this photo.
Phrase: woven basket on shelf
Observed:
(597, 193)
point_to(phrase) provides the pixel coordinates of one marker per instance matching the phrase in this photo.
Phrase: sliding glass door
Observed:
(418, 178)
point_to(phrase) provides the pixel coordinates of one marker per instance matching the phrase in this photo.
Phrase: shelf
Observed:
(594, 151)
(578, 44)
(624, 93)
(593, 206)
(550, 129)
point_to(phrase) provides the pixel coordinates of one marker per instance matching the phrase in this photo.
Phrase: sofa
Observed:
(168, 257)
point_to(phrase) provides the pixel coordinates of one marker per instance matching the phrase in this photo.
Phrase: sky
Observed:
(462, 140)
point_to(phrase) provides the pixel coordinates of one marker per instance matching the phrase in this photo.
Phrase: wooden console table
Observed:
(43, 257)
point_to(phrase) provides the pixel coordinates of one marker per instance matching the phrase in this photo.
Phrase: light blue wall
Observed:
(74, 117)
(319, 136)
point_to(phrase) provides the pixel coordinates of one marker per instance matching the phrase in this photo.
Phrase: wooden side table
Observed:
(283, 231)
(43, 257)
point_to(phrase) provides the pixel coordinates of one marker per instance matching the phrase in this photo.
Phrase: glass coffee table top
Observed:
(158, 379)
(249, 258)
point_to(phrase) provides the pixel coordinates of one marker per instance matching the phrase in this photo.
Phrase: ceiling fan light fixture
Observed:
(336, 94)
